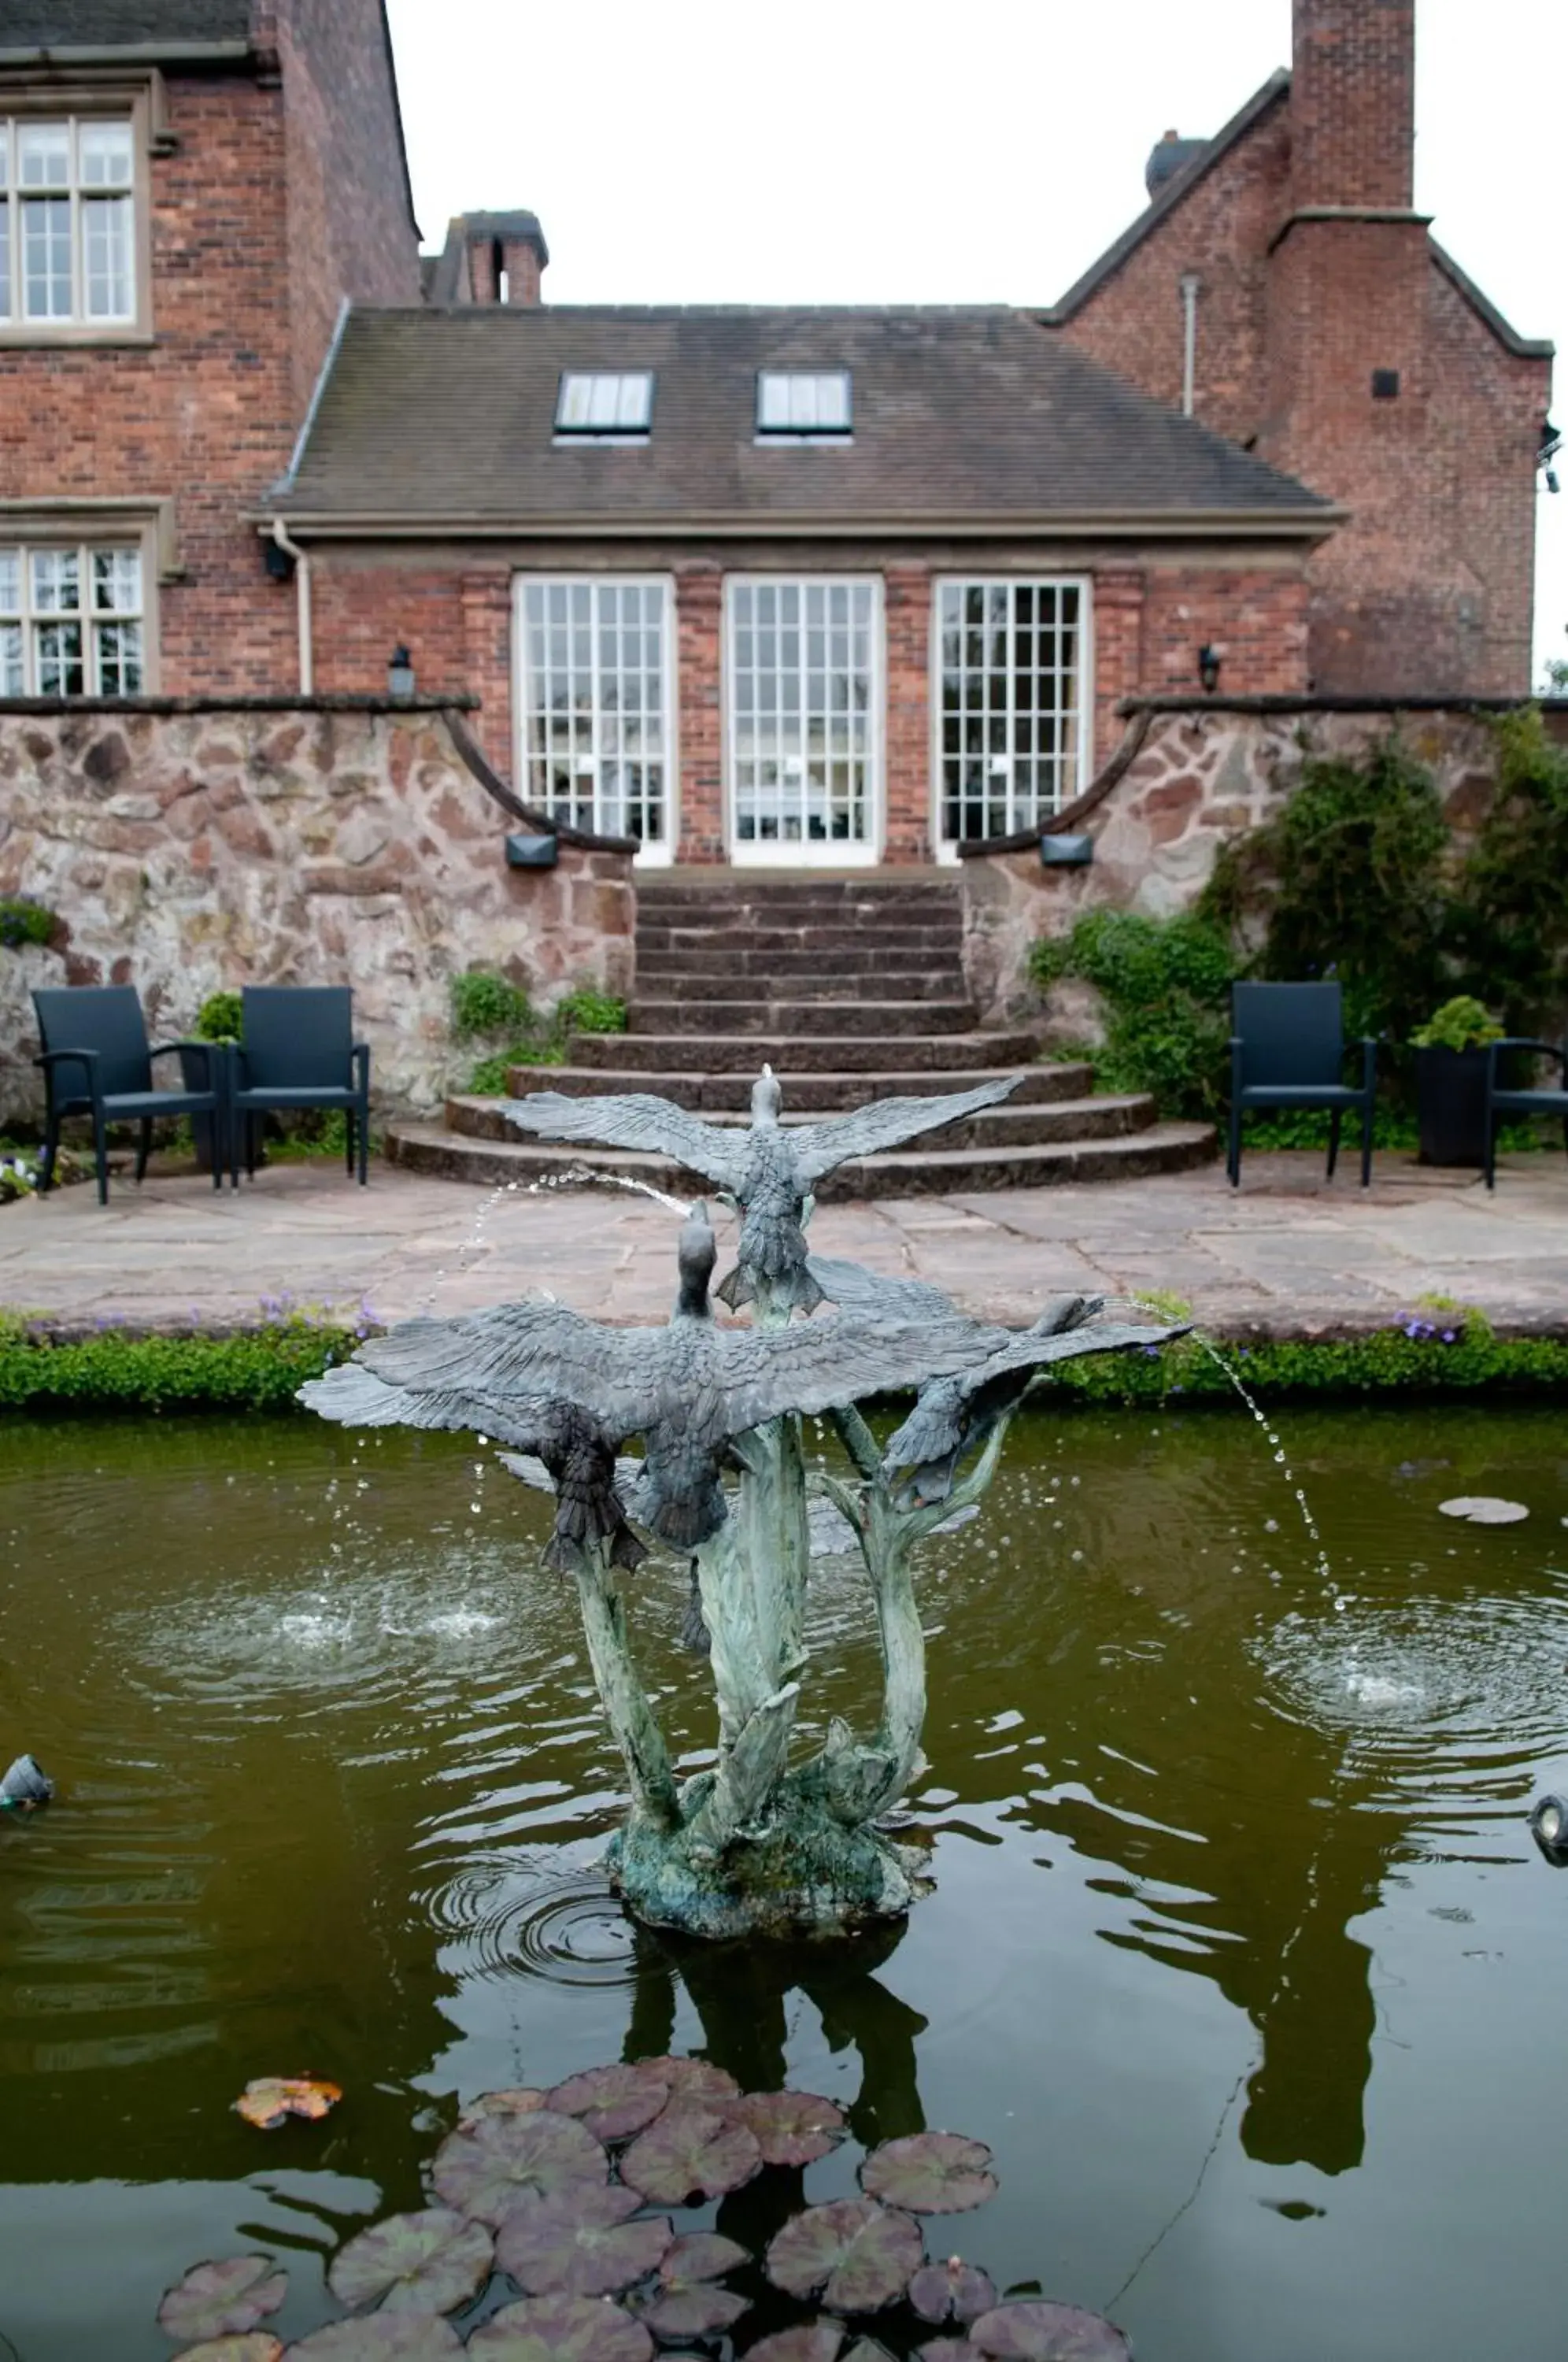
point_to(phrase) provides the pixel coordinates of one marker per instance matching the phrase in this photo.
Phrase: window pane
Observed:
(117, 581)
(603, 400)
(119, 659)
(106, 257)
(803, 402)
(571, 410)
(43, 155)
(4, 155)
(10, 581)
(5, 257)
(773, 400)
(57, 649)
(833, 400)
(46, 257)
(56, 582)
(634, 403)
(13, 681)
(105, 149)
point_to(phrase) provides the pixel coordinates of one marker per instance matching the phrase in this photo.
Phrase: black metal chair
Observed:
(1287, 1050)
(297, 1050)
(97, 1062)
(1526, 1102)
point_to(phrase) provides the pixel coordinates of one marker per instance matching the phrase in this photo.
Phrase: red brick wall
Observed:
(699, 692)
(906, 765)
(1353, 101)
(350, 228)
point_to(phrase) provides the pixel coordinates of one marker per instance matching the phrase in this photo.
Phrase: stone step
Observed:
(821, 937)
(808, 1095)
(882, 1018)
(744, 959)
(807, 981)
(434, 1149)
(1110, 1116)
(799, 911)
(814, 1050)
(692, 883)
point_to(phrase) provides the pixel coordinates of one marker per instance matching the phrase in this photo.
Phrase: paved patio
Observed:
(1288, 1255)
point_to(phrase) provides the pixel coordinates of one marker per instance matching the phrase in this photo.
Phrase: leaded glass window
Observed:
(596, 701)
(1012, 720)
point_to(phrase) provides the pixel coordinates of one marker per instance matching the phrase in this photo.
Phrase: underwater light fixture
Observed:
(1549, 1828)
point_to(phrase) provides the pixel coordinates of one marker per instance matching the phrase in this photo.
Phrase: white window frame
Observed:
(30, 111)
(803, 395)
(657, 853)
(831, 853)
(1083, 751)
(30, 618)
(609, 394)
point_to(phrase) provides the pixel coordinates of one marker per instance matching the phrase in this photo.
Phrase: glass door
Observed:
(1013, 717)
(595, 704)
(805, 720)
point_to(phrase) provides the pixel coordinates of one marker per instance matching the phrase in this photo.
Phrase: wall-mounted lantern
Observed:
(1209, 663)
(400, 673)
(1066, 852)
(532, 852)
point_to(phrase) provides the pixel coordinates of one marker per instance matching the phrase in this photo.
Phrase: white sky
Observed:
(890, 152)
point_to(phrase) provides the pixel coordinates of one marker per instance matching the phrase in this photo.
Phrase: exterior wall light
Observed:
(532, 852)
(1549, 1828)
(1209, 663)
(400, 673)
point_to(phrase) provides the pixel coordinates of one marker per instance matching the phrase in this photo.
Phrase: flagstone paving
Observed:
(1288, 1254)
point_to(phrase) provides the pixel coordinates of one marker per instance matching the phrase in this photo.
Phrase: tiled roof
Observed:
(117, 24)
(958, 415)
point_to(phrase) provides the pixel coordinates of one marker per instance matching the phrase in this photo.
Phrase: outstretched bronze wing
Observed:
(831, 1361)
(530, 1349)
(356, 1398)
(636, 1119)
(819, 1147)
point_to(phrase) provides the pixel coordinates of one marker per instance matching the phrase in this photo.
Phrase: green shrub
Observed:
(1164, 983)
(25, 922)
(484, 1004)
(1509, 925)
(1460, 1024)
(255, 1369)
(587, 1011)
(528, 1040)
(220, 1018)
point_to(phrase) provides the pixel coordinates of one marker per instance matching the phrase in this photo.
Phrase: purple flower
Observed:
(1448, 1336)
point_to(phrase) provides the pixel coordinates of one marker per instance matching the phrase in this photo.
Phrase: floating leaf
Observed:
(561, 2329)
(865, 2349)
(698, 2312)
(1035, 2331)
(688, 2153)
(380, 2337)
(696, 2082)
(701, 2256)
(429, 2262)
(270, 2098)
(613, 2102)
(519, 2102)
(858, 2254)
(582, 2244)
(259, 2345)
(931, 2173)
(790, 2127)
(489, 2168)
(223, 2299)
(949, 2349)
(812, 2341)
(952, 2291)
(1483, 1509)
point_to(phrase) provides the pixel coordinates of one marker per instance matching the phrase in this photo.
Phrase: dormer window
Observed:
(67, 223)
(803, 402)
(609, 405)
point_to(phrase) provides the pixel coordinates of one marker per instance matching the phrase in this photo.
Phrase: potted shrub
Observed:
(217, 1019)
(1451, 1081)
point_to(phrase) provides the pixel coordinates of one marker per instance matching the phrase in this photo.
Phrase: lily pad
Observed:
(429, 2262)
(858, 2255)
(380, 2337)
(701, 2256)
(520, 2100)
(949, 2349)
(1035, 2331)
(1484, 1509)
(561, 2329)
(699, 2312)
(266, 2101)
(696, 2082)
(790, 2127)
(582, 2244)
(952, 2291)
(257, 2345)
(490, 2168)
(688, 2153)
(223, 2299)
(931, 2173)
(613, 2102)
(865, 2349)
(811, 2341)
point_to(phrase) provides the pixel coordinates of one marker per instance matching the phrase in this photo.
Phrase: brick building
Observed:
(775, 587)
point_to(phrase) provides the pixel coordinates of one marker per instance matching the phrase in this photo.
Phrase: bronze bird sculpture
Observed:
(685, 1388)
(767, 1170)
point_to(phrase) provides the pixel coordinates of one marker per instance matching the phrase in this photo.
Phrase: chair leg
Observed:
(1233, 1149)
(101, 1153)
(1367, 1147)
(51, 1148)
(1333, 1141)
(362, 1125)
(143, 1149)
(348, 1143)
(1489, 1146)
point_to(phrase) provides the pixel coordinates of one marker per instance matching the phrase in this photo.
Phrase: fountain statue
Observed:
(761, 1843)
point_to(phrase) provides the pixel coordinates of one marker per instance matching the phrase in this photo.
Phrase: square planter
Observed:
(1451, 1106)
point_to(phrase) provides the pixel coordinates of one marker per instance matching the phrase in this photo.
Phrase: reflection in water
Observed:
(1214, 1859)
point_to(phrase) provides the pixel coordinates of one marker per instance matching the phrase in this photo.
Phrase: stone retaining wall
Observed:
(1186, 777)
(195, 846)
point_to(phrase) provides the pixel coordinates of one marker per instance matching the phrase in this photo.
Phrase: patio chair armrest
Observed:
(1368, 1062)
(361, 1058)
(51, 1060)
(1557, 1049)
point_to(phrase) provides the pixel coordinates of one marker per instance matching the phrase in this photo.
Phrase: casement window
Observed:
(596, 702)
(1012, 716)
(68, 226)
(72, 620)
(610, 405)
(805, 717)
(803, 404)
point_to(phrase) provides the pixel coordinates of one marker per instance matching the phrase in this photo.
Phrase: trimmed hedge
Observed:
(250, 1369)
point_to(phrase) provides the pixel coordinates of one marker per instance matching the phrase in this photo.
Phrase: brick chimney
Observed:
(1353, 102)
(492, 259)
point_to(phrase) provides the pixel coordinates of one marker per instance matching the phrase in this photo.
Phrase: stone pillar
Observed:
(907, 767)
(1118, 594)
(487, 663)
(698, 603)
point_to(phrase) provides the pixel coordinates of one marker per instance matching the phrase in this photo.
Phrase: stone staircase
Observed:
(852, 989)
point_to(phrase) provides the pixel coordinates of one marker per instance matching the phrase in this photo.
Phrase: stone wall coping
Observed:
(59, 708)
(1427, 702)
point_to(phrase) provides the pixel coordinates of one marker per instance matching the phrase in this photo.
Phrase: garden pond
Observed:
(1241, 1957)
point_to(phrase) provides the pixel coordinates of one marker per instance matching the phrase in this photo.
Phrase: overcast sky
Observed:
(843, 151)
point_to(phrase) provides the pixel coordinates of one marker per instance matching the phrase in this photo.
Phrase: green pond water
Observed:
(1241, 1957)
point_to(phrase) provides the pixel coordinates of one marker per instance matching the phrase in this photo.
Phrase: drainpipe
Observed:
(1190, 285)
(302, 592)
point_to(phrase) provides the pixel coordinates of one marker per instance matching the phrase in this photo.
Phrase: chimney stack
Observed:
(492, 258)
(1352, 105)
